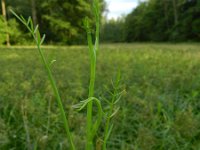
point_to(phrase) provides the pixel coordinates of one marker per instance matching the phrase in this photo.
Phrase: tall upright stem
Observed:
(93, 50)
(89, 144)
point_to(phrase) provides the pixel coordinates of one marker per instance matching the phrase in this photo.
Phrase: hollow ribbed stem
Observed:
(93, 49)
(89, 144)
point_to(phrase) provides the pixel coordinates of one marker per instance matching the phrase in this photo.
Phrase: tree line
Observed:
(62, 21)
(157, 21)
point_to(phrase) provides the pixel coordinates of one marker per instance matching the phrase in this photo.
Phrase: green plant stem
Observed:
(106, 133)
(92, 51)
(59, 101)
(89, 144)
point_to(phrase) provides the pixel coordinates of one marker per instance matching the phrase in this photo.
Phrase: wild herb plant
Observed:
(92, 126)
(93, 49)
(37, 37)
(115, 97)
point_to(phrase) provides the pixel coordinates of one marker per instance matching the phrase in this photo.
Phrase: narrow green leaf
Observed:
(35, 30)
(109, 132)
(52, 62)
(18, 17)
(29, 19)
(31, 25)
(24, 20)
(114, 113)
(117, 100)
(42, 40)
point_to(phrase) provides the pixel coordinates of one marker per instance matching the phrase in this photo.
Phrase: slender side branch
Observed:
(112, 111)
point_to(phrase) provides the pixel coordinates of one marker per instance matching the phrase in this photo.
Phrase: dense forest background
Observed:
(61, 21)
(157, 21)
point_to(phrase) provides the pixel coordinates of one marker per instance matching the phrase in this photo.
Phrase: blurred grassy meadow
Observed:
(159, 110)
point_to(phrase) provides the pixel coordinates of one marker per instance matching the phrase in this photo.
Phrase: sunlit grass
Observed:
(160, 108)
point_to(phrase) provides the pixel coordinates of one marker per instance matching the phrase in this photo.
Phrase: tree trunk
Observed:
(175, 12)
(3, 4)
(34, 12)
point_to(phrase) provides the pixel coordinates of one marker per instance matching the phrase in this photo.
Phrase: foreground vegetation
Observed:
(160, 109)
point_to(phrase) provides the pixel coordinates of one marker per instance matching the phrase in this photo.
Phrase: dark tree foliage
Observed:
(60, 20)
(113, 31)
(152, 20)
(164, 20)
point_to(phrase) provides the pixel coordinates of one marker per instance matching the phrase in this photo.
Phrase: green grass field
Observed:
(159, 111)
